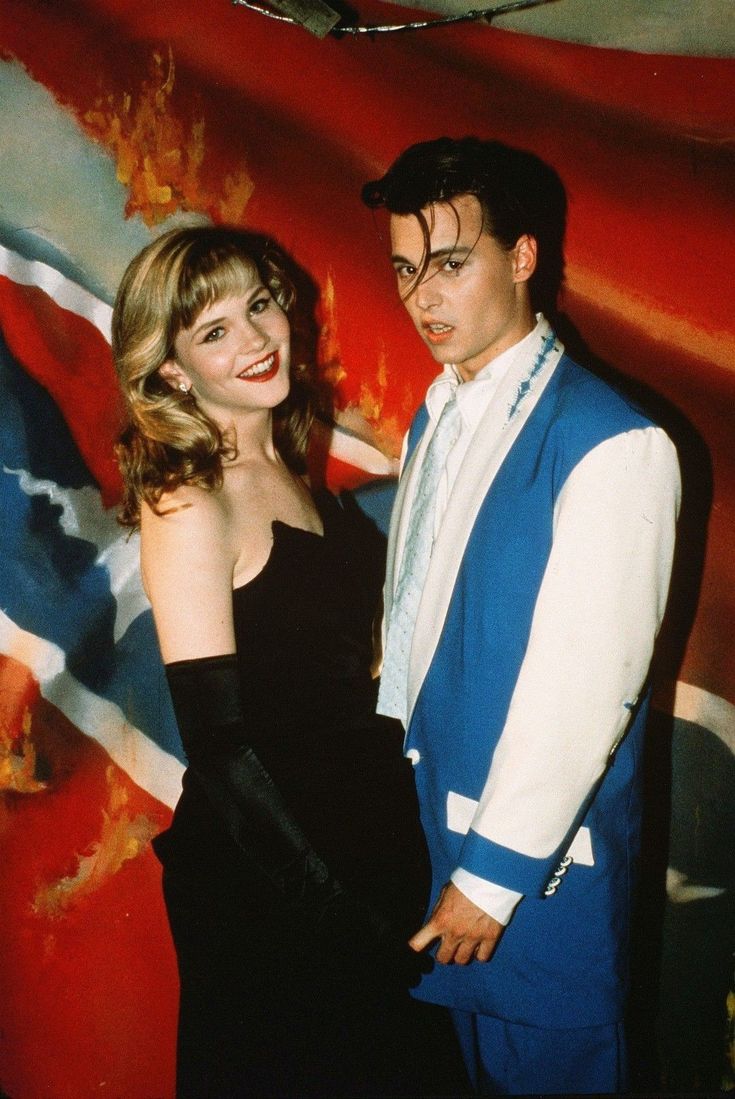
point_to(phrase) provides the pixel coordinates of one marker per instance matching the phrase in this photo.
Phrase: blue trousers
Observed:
(510, 1059)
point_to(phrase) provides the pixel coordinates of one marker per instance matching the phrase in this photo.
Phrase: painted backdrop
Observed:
(120, 117)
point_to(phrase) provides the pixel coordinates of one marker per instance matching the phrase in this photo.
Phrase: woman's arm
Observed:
(187, 562)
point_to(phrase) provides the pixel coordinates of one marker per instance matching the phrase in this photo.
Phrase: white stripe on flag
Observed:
(356, 452)
(154, 770)
(67, 294)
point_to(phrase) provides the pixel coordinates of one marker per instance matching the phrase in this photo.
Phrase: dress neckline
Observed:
(281, 528)
(298, 530)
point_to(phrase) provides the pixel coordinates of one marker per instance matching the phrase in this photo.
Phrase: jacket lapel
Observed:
(498, 430)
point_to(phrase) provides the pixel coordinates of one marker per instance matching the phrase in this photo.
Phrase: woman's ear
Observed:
(172, 373)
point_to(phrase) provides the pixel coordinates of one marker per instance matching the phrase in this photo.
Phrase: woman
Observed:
(295, 868)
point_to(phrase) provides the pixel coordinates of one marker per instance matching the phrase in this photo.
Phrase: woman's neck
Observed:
(252, 436)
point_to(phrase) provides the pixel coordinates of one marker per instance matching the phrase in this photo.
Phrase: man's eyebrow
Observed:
(438, 253)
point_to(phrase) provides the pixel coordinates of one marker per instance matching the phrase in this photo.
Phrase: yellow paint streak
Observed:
(372, 395)
(121, 838)
(236, 191)
(159, 158)
(330, 355)
(18, 758)
(333, 374)
(388, 430)
(658, 323)
(383, 432)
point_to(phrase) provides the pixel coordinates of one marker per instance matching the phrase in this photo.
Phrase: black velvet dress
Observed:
(268, 1007)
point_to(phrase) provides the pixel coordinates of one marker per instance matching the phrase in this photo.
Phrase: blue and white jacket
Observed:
(527, 679)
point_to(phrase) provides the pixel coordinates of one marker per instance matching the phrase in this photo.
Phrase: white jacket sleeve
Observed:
(598, 611)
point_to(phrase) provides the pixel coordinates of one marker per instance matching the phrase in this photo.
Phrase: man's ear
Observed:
(524, 258)
(172, 373)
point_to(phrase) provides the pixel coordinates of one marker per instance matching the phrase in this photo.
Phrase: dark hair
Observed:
(169, 440)
(518, 193)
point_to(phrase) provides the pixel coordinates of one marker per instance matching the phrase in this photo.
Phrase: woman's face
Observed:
(235, 356)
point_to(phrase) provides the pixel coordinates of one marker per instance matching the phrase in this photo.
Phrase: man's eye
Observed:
(405, 271)
(454, 265)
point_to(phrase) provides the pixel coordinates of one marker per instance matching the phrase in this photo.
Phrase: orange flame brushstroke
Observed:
(158, 158)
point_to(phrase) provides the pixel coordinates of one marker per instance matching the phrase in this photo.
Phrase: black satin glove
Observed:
(207, 703)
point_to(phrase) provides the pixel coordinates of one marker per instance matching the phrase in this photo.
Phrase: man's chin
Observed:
(440, 353)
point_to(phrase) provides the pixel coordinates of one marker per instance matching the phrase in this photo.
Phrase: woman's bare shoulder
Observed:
(186, 508)
(188, 526)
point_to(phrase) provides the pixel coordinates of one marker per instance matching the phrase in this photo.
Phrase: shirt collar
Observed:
(474, 397)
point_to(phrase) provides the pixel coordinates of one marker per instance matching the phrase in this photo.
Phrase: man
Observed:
(518, 644)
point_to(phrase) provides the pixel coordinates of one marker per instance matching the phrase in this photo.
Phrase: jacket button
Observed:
(414, 755)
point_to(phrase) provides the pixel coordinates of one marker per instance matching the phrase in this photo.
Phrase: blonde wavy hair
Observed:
(169, 440)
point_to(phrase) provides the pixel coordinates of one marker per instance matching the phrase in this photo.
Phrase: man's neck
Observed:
(496, 361)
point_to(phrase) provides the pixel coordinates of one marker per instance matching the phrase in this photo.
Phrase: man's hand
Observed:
(466, 933)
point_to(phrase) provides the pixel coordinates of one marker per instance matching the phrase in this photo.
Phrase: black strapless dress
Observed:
(266, 1009)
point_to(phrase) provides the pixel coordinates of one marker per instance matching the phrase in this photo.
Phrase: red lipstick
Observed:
(263, 375)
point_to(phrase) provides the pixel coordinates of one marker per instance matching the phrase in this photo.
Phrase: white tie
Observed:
(392, 696)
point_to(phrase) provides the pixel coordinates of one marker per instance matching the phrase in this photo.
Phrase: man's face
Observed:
(472, 302)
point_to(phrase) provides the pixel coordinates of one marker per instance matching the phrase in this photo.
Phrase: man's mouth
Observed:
(261, 371)
(437, 332)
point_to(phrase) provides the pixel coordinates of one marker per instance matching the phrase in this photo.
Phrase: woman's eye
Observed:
(260, 305)
(214, 334)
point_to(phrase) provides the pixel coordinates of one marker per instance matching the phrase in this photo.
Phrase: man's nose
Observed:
(427, 294)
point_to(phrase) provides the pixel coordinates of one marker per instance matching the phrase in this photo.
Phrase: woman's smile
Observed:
(263, 370)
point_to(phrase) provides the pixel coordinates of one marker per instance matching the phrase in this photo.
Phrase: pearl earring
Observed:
(183, 387)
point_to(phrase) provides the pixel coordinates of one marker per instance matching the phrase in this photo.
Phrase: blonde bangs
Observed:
(213, 278)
